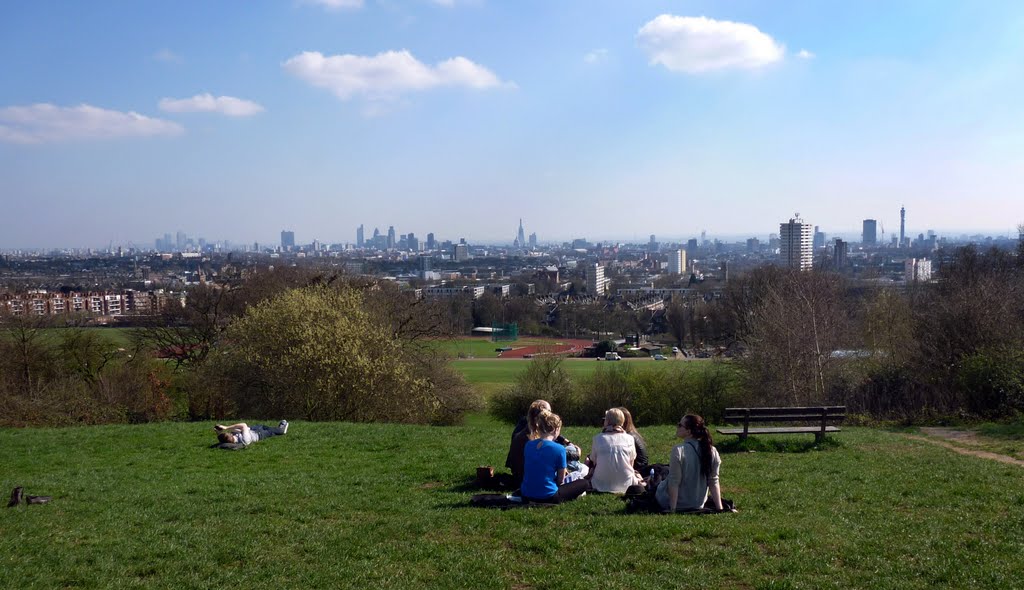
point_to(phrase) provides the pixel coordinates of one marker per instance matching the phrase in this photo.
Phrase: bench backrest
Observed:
(791, 414)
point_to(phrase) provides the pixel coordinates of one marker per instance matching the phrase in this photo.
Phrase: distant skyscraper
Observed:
(391, 237)
(431, 244)
(652, 246)
(412, 242)
(819, 239)
(596, 282)
(460, 252)
(182, 240)
(360, 238)
(903, 228)
(521, 236)
(839, 254)
(795, 247)
(869, 237)
(753, 245)
(677, 262)
(287, 240)
(533, 241)
(691, 247)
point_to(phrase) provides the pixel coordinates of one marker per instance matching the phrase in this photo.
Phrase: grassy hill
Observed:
(369, 506)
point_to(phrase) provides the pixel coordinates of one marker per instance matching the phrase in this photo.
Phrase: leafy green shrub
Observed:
(544, 378)
(319, 353)
(992, 382)
(656, 396)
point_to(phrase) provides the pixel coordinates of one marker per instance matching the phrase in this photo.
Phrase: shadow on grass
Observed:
(762, 444)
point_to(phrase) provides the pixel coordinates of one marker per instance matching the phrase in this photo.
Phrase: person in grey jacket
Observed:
(693, 470)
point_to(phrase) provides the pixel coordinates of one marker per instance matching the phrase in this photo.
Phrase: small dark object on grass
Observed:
(37, 499)
(15, 497)
(484, 476)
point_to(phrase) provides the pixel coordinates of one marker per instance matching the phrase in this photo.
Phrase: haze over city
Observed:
(122, 121)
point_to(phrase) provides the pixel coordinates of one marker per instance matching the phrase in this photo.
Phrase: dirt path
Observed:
(963, 437)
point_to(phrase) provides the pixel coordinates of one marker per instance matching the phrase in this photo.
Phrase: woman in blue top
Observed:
(545, 464)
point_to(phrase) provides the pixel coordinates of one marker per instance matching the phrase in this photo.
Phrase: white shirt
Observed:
(613, 453)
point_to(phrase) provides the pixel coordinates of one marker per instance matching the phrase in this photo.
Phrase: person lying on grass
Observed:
(545, 465)
(692, 470)
(242, 434)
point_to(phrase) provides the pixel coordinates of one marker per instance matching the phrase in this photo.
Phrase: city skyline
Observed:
(616, 120)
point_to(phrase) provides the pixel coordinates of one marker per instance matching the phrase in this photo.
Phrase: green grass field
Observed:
(491, 375)
(374, 506)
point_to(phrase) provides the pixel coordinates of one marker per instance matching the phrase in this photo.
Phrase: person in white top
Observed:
(612, 456)
(242, 434)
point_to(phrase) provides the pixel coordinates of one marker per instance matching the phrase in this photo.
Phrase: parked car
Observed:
(675, 350)
(612, 356)
(660, 357)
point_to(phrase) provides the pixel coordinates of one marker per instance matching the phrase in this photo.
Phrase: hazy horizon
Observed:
(121, 121)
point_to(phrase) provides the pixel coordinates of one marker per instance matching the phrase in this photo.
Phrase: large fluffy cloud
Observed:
(386, 75)
(700, 44)
(207, 103)
(44, 123)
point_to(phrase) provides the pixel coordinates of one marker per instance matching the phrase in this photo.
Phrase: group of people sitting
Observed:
(547, 467)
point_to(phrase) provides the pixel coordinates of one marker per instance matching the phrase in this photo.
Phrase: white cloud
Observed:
(447, 3)
(46, 123)
(700, 44)
(387, 75)
(595, 56)
(804, 54)
(167, 56)
(336, 4)
(207, 103)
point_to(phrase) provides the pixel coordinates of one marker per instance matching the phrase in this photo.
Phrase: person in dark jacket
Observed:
(641, 463)
(526, 429)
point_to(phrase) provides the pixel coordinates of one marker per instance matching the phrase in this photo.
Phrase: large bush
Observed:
(992, 383)
(544, 378)
(654, 395)
(320, 353)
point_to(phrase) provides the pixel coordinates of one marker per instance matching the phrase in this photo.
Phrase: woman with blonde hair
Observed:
(525, 431)
(640, 464)
(545, 464)
(612, 456)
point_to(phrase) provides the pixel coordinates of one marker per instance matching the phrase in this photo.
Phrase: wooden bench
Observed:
(819, 416)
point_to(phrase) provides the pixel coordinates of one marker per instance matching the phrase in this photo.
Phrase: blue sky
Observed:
(120, 121)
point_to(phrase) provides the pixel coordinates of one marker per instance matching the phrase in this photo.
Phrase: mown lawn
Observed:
(372, 506)
(489, 376)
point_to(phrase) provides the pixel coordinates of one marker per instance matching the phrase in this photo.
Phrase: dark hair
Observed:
(225, 436)
(699, 430)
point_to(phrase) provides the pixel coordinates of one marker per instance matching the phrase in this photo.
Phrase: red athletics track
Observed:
(558, 346)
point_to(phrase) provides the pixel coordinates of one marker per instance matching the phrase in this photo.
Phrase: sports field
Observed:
(490, 375)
